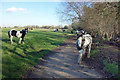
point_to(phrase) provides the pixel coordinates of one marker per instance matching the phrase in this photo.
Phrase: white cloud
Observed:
(55, 15)
(14, 9)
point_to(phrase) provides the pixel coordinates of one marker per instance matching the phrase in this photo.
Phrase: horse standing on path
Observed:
(19, 34)
(83, 41)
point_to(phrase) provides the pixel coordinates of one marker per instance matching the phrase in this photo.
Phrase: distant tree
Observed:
(65, 27)
(16, 26)
(58, 27)
(46, 27)
(71, 11)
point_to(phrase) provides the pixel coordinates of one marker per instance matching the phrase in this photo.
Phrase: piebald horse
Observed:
(19, 34)
(83, 41)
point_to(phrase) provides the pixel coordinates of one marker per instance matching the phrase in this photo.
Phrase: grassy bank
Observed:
(104, 58)
(18, 59)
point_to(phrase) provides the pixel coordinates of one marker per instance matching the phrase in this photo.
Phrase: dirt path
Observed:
(62, 63)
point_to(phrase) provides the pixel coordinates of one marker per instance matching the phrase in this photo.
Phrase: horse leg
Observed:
(89, 51)
(11, 39)
(84, 50)
(80, 56)
(20, 40)
(23, 40)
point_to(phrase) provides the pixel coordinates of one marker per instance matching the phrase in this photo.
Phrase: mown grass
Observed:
(18, 59)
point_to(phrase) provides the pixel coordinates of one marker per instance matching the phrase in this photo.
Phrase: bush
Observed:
(93, 52)
(16, 26)
(111, 67)
(65, 27)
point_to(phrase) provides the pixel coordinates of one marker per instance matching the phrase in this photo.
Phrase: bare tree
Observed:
(71, 11)
(98, 18)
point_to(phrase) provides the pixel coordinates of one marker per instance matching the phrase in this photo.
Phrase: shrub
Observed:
(65, 27)
(93, 52)
(111, 67)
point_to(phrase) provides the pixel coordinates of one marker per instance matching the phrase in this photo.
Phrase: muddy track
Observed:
(62, 63)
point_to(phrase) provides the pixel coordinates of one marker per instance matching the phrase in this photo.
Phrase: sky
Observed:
(30, 13)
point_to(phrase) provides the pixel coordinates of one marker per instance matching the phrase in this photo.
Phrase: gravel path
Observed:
(62, 63)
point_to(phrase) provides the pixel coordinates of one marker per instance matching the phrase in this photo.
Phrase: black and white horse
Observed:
(72, 32)
(63, 30)
(83, 41)
(80, 32)
(55, 30)
(19, 34)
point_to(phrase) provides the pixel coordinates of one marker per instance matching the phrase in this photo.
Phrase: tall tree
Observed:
(99, 17)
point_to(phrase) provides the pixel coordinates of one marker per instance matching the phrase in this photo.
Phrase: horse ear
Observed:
(26, 28)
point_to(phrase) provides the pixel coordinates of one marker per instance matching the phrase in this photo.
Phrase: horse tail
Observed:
(77, 45)
(9, 34)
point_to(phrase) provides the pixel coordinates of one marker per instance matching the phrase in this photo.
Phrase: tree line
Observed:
(99, 18)
(43, 27)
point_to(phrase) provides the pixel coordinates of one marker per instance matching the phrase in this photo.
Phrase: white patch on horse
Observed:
(11, 39)
(26, 31)
(18, 34)
(20, 40)
(11, 31)
(80, 41)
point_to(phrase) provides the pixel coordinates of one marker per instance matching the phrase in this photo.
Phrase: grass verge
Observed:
(93, 52)
(111, 68)
(18, 59)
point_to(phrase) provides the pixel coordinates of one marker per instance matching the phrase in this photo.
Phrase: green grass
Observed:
(93, 52)
(18, 59)
(111, 67)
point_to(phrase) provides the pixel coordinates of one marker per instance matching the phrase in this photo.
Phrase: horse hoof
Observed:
(88, 57)
(79, 63)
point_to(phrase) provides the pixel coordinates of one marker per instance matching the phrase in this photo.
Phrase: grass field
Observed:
(18, 59)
